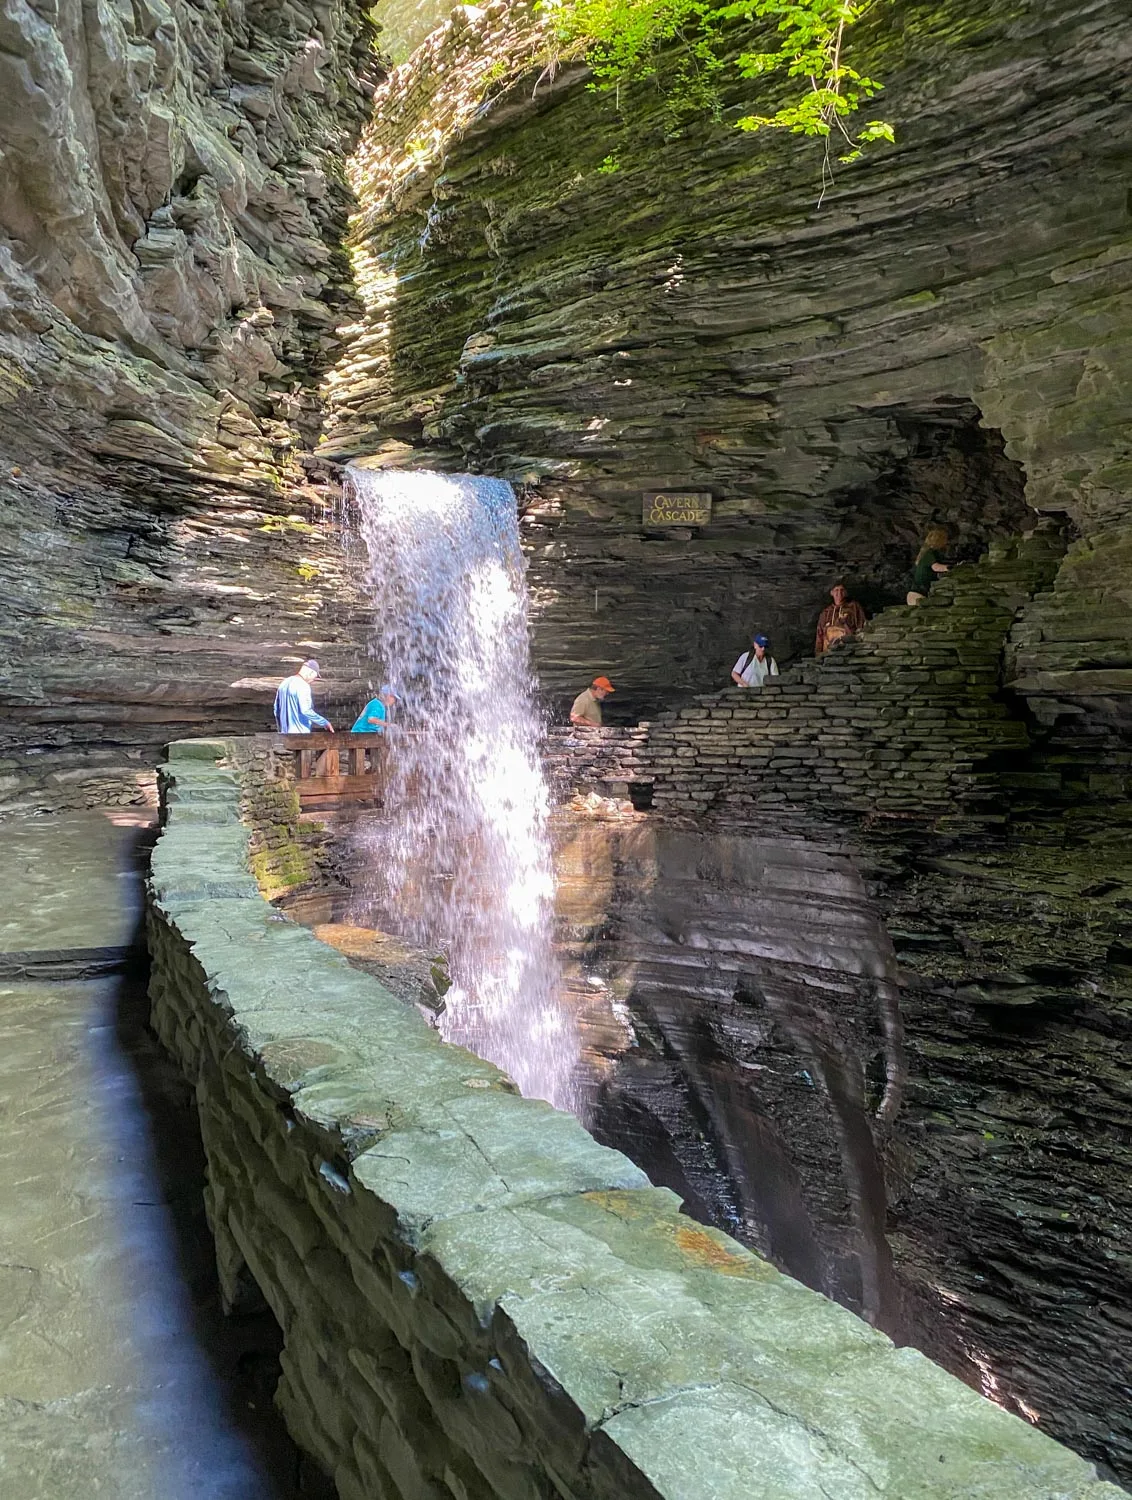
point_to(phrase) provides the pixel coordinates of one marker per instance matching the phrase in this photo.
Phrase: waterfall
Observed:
(461, 861)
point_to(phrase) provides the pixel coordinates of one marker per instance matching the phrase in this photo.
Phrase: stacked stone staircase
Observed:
(893, 722)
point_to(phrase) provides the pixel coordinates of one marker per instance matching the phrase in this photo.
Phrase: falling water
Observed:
(462, 861)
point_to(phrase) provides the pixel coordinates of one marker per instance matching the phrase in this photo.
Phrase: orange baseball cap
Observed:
(604, 682)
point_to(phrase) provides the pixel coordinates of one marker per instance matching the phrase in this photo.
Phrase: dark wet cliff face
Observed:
(765, 1037)
(171, 277)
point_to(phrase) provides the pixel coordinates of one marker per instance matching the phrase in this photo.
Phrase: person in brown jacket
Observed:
(844, 617)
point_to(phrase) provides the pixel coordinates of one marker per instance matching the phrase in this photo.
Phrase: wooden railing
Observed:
(338, 770)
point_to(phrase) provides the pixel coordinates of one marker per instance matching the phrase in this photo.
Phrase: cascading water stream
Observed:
(462, 860)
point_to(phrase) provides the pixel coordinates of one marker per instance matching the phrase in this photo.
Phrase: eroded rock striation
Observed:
(173, 201)
(559, 289)
(171, 276)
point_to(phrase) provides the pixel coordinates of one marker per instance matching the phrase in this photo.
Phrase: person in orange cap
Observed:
(587, 705)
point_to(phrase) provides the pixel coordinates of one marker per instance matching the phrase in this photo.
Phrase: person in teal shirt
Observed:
(372, 718)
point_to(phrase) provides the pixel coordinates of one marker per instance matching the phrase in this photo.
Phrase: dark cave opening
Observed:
(669, 625)
(954, 473)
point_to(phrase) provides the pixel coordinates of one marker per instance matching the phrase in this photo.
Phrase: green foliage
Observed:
(694, 42)
(609, 164)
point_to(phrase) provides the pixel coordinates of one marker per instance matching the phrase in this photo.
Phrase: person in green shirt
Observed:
(928, 565)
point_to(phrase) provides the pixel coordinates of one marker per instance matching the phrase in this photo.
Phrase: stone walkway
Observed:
(118, 1376)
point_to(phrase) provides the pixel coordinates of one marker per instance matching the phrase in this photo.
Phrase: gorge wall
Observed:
(560, 290)
(171, 276)
(556, 288)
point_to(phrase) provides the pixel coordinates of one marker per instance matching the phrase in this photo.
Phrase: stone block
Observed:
(486, 1151)
(465, 1482)
(298, 1410)
(205, 750)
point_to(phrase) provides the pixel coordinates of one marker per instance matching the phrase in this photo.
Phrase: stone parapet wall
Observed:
(476, 1299)
(283, 851)
(894, 721)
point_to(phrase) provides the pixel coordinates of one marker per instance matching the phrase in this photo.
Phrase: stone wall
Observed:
(285, 853)
(478, 1301)
(894, 721)
(609, 760)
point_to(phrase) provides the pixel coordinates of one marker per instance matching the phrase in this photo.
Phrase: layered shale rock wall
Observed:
(558, 289)
(171, 276)
(476, 1300)
(173, 201)
(888, 1057)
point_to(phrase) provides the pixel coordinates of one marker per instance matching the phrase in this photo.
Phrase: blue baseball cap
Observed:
(763, 641)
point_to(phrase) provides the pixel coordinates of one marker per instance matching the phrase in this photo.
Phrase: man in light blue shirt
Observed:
(294, 708)
(372, 718)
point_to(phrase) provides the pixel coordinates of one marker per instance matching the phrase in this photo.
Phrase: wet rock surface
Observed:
(118, 1375)
(561, 289)
(835, 1067)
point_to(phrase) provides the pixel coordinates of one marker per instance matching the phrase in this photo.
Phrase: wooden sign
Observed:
(676, 508)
